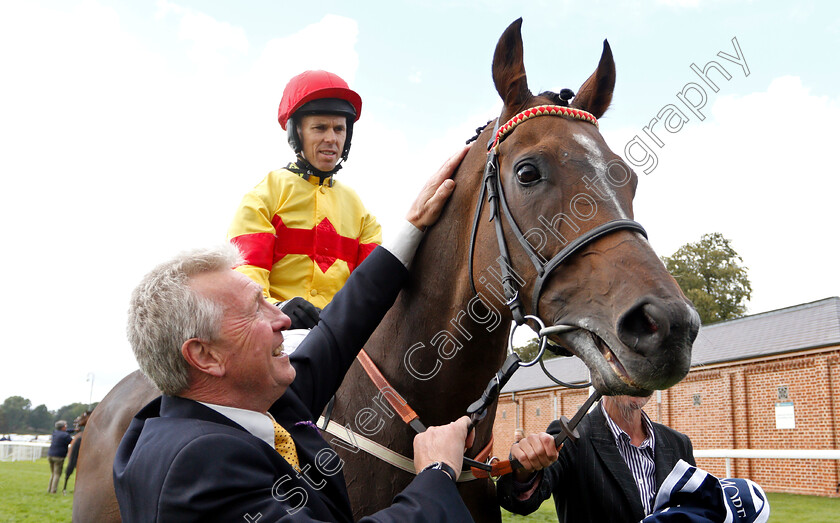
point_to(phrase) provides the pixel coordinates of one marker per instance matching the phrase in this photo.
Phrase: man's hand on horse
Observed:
(429, 203)
(535, 452)
(445, 443)
(303, 314)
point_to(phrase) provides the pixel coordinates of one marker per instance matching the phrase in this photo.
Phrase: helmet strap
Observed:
(305, 170)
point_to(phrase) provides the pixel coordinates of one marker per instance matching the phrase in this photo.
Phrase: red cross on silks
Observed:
(321, 243)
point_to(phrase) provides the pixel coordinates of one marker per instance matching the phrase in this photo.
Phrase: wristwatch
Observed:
(439, 465)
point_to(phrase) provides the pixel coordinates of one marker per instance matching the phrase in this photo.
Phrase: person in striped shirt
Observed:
(611, 473)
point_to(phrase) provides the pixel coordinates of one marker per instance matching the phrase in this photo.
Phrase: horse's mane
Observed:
(478, 132)
(561, 98)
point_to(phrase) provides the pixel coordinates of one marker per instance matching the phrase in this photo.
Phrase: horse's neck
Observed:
(437, 323)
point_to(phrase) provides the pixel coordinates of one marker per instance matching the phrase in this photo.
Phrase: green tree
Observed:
(41, 420)
(15, 414)
(70, 412)
(710, 274)
(530, 350)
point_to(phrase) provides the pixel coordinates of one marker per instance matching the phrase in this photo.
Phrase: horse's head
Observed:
(82, 419)
(633, 327)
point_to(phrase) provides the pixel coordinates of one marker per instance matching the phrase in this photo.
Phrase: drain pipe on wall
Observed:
(659, 406)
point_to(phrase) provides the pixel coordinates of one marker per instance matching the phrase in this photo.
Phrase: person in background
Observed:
(73, 452)
(301, 231)
(612, 473)
(58, 451)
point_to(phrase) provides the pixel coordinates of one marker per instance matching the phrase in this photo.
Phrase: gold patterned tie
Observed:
(285, 445)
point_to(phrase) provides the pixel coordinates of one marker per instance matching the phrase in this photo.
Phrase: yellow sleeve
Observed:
(371, 230)
(252, 231)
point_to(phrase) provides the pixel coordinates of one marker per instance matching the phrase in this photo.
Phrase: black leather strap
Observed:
(443, 467)
(576, 245)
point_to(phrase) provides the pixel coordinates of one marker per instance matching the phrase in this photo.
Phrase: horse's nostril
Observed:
(644, 327)
(652, 325)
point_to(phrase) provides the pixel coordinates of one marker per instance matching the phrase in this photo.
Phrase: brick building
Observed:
(767, 381)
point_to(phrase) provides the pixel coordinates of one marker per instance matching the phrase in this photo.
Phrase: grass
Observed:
(794, 508)
(24, 499)
(784, 508)
(545, 513)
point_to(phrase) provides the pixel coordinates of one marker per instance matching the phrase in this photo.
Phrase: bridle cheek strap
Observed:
(492, 190)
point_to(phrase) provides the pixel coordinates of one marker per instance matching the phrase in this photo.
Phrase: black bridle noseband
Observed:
(491, 187)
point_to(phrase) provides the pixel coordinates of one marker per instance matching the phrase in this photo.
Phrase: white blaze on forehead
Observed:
(599, 165)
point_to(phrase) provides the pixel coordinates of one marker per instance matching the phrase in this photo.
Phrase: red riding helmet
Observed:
(318, 92)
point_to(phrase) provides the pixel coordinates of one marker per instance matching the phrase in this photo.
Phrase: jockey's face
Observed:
(322, 137)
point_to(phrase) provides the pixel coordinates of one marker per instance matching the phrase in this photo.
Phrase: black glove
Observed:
(303, 314)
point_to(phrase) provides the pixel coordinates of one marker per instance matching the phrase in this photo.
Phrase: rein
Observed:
(482, 465)
(477, 469)
(385, 389)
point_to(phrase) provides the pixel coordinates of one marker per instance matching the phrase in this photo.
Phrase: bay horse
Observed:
(445, 337)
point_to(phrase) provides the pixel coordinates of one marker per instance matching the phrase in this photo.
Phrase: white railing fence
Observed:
(22, 451)
(729, 454)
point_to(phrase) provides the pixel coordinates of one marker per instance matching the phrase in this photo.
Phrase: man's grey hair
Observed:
(60, 425)
(165, 311)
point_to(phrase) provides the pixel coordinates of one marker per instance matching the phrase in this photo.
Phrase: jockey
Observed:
(302, 232)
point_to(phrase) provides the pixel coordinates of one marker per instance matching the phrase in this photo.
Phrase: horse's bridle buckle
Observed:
(512, 299)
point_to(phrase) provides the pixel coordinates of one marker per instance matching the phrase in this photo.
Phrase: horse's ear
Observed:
(509, 68)
(596, 93)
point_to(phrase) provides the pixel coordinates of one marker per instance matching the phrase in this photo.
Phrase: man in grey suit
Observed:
(611, 473)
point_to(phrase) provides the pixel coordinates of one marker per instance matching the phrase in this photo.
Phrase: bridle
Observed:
(491, 188)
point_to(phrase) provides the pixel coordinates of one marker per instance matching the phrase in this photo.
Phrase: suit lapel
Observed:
(664, 456)
(321, 468)
(604, 443)
(321, 486)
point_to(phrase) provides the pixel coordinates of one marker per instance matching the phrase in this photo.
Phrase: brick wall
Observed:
(726, 406)
(552, 404)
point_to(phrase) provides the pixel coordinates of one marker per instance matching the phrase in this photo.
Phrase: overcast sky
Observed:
(130, 130)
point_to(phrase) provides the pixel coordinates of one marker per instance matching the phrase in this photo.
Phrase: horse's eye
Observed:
(527, 174)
